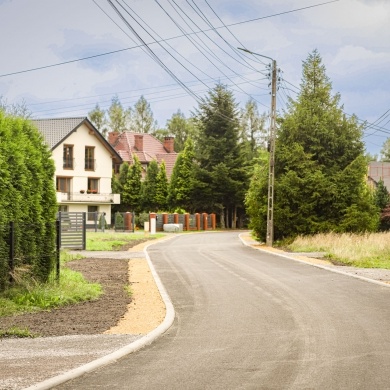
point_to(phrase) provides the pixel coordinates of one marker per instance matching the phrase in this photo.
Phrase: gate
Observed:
(72, 230)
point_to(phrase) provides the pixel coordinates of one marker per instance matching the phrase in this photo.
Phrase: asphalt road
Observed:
(251, 320)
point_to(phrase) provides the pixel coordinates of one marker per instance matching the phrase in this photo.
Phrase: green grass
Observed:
(16, 332)
(370, 250)
(29, 296)
(108, 241)
(32, 296)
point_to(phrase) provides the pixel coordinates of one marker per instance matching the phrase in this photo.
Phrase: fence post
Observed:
(96, 220)
(58, 246)
(11, 250)
(187, 222)
(197, 219)
(164, 219)
(152, 220)
(204, 215)
(84, 230)
(213, 222)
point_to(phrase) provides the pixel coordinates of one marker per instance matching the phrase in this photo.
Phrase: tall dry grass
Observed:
(370, 250)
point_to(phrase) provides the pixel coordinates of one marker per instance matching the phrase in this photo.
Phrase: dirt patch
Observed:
(90, 317)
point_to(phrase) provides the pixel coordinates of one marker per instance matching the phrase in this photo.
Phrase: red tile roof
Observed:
(152, 149)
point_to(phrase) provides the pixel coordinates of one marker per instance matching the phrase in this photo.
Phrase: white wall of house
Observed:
(102, 171)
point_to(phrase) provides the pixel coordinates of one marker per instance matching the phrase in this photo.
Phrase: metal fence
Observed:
(123, 221)
(72, 232)
(21, 260)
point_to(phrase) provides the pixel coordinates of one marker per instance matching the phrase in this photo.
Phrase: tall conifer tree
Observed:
(320, 166)
(220, 159)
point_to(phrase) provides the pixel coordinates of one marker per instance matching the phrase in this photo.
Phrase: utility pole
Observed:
(271, 163)
(271, 173)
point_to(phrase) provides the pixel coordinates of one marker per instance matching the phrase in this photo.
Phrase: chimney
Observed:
(139, 142)
(169, 144)
(113, 137)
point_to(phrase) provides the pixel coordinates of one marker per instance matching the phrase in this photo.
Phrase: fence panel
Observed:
(23, 260)
(159, 222)
(72, 230)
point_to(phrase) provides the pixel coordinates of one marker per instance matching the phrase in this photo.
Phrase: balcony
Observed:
(68, 163)
(89, 164)
(76, 197)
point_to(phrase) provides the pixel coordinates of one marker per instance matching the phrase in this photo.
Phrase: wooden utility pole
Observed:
(271, 175)
(272, 131)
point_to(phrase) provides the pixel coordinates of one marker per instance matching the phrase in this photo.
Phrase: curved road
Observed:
(251, 320)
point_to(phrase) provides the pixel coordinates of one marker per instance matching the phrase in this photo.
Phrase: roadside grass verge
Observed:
(369, 250)
(31, 296)
(15, 332)
(111, 241)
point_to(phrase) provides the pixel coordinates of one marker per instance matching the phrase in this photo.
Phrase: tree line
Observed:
(217, 146)
(320, 165)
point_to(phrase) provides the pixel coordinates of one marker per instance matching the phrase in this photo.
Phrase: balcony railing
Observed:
(89, 164)
(68, 163)
(64, 197)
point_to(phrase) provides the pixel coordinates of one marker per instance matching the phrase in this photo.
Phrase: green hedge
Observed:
(27, 197)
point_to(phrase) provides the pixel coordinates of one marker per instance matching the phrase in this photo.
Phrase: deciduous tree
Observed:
(98, 117)
(118, 117)
(142, 120)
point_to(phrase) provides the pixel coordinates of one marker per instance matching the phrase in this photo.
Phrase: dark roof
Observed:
(56, 130)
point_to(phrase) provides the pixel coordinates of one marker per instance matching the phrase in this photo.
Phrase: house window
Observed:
(68, 157)
(63, 208)
(93, 185)
(89, 164)
(92, 210)
(63, 184)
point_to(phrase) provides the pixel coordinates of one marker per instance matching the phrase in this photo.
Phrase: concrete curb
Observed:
(133, 347)
(314, 265)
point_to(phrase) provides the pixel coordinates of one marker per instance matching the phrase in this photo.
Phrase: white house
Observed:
(84, 163)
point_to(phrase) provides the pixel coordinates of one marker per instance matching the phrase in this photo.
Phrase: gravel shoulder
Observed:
(78, 334)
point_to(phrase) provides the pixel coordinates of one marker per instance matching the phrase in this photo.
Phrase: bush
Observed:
(27, 197)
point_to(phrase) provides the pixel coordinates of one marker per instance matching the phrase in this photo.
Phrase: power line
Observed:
(167, 39)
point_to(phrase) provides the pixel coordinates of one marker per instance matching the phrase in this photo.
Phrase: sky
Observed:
(173, 51)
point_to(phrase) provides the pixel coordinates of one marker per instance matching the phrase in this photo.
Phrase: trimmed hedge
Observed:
(27, 197)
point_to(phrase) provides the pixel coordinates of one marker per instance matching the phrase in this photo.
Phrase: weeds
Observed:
(370, 250)
(97, 241)
(32, 296)
(16, 332)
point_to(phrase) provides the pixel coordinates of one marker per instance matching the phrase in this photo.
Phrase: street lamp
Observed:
(271, 165)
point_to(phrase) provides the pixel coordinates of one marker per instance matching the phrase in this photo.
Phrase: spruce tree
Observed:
(162, 187)
(183, 180)
(149, 188)
(131, 193)
(320, 166)
(219, 153)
